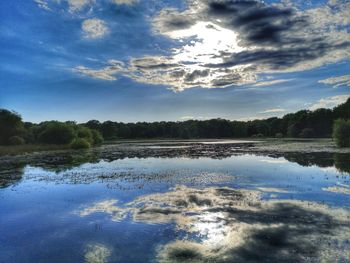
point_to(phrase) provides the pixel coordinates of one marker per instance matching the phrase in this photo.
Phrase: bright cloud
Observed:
(94, 28)
(125, 2)
(186, 118)
(329, 102)
(337, 81)
(78, 5)
(73, 5)
(42, 4)
(271, 82)
(106, 73)
(277, 110)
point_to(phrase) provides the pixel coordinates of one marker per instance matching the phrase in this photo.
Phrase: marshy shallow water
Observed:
(166, 202)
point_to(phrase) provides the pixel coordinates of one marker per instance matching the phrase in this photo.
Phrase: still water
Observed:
(175, 207)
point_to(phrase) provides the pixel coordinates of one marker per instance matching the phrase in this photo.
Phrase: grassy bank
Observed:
(30, 148)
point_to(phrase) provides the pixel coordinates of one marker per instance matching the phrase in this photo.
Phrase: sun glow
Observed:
(209, 41)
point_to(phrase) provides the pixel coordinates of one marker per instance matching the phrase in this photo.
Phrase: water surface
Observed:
(175, 205)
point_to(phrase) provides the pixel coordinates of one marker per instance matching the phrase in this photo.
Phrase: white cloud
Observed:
(186, 118)
(251, 118)
(73, 5)
(329, 102)
(337, 81)
(106, 73)
(78, 5)
(94, 28)
(277, 110)
(125, 2)
(42, 4)
(271, 82)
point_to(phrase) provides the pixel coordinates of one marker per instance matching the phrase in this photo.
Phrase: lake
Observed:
(214, 201)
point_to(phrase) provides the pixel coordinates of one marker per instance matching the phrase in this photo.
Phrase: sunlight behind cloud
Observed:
(210, 41)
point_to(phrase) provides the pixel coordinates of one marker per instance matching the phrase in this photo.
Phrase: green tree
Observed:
(97, 137)
(341, 132)
(55, 132)
(10, 125)
(84, 133)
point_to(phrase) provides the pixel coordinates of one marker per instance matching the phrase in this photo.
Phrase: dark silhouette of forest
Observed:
(302, 124)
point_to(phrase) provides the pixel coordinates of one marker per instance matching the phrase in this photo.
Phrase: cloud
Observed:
(329, 102)
(125, 2)
(271, 82)
(186, 118)
(277, 110)
(94, 28)
(337, 81)
(73, 5)
(231, 43)
(97, 253)
(251, 118)
(78, 5)
(43, 4)
(106, 73)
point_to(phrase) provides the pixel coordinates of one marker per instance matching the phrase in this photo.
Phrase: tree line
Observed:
(302, 124)
(13, 131)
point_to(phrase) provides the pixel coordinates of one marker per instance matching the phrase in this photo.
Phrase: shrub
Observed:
(97, 137)
(80, 143)
(56, 133)
(341, 132)
(16, 140)
(307, 133)
(85, 133)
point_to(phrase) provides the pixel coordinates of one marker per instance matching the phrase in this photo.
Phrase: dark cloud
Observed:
(281, 59)
(196, 74)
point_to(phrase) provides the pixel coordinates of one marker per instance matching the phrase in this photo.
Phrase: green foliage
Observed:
(16, 140)
(10, 125)
(97, 137)
(341, 132)
(80, 143)
(55, 132)
(84, 133)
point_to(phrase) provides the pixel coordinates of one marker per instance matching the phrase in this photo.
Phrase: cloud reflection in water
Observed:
(235, 225)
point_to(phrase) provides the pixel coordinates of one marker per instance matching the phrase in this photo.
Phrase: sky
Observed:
(159, 60)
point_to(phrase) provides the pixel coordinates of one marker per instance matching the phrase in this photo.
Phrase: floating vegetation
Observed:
(97, 253)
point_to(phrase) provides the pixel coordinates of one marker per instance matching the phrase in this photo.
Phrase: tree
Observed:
(97, 137)
(84, 133)
(341, 132)
(55, 132)
(10, 125)
(307, 133)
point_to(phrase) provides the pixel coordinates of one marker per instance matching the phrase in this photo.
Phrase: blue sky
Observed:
(138, 60)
